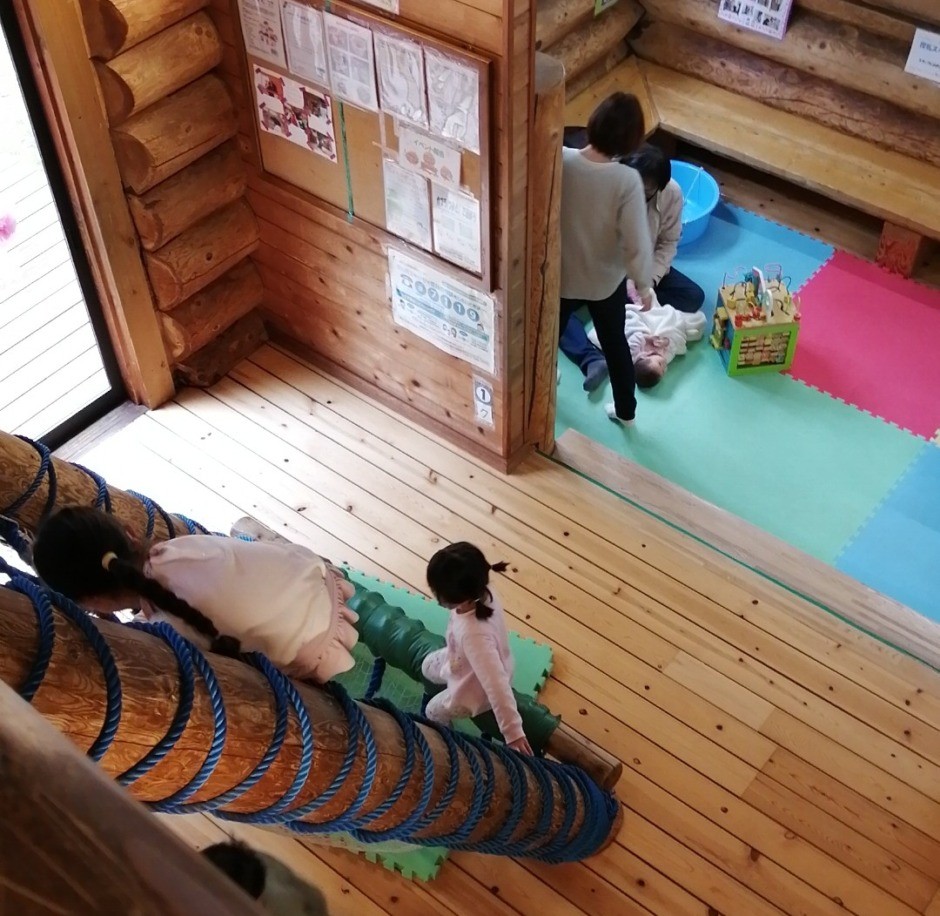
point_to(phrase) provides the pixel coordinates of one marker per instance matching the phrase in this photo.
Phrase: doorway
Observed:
(58, 372)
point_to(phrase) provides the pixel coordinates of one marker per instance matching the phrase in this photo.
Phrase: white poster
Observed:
(769, 17)
(444, 312)
(295, 112)
(400, 68)
(924, 59)
(407, 204)
(303, 38)
(261, 26)
(453, 99)
(429, 156)
(457, 227)
(352, 62)
(390, 6)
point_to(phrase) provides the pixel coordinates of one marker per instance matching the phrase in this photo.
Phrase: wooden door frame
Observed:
(53, 33)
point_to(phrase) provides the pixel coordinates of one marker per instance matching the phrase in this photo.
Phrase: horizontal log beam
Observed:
(596, 71)
(173, 133)
(855, 14)
(556, 18)
(787, 89)
(112, 26)
(176, 204)
(158, 66)
(195, 258)
(216, 359)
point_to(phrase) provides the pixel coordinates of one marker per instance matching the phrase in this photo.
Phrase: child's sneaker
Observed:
(612, 413)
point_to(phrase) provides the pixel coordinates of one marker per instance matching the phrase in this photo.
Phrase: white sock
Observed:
(612, 413)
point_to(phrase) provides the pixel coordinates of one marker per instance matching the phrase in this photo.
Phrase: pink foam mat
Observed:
(872, 339)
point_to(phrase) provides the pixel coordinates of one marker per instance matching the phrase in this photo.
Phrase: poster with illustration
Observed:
(453, 99)
(295, 112)
(769, 17)
(261, 26)
(306, 46)
(352, 62)
(420, 153)
(400, 68)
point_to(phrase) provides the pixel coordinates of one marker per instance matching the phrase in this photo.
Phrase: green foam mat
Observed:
(533, 662)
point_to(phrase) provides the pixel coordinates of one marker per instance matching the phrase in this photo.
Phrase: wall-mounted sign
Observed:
(924, 59)
(769, 17)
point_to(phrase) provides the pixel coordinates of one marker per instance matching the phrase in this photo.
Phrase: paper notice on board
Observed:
(352, 62)
(400, 69)
(456, 227)
(261, 26)
(454, 317)
(453, 99)
(429, 156)
(304, 42)
(295, 112)
(769, 17)
(407, 205)
(924, 59)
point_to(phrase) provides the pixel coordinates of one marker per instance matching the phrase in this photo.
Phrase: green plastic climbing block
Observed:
(533, 665)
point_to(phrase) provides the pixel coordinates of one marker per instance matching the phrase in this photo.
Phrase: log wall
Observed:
(172, 122)
(325, 277)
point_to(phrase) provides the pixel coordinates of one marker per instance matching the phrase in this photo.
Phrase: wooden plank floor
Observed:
(774, 762)
(50, 366)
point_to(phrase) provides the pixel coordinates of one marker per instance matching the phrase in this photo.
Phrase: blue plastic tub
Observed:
(700, 192)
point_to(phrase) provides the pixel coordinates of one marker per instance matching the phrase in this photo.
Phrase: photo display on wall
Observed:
(377, 119)
(769, 17)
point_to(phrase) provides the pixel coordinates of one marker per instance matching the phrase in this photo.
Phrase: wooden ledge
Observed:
(626, 77)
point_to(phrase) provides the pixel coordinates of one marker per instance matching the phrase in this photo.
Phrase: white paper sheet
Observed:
(304, 42)
(453, 99)
(769, 17)
(295, 112)
(400, 69)
(407, 204)
(352, 62)
(456, 227)
(261, 26)
(454, 317)
(430, 156)
(924, 59)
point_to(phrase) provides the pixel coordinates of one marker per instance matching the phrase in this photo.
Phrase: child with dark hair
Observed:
(664, 215)
(476, 664)
(265, 879)
(278, 599)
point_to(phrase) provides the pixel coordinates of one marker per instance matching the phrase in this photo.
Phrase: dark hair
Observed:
(69, 552)
(652, 164)
(460, 572)
(645, 375)
(616, 126)
(242, 864)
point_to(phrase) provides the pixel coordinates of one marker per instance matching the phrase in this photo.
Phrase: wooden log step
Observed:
(174, 205)
(174, 132)
(627, 77)
(112, 26)
(202, 317)
(585, 46)
(158, 66)
(899, 249)
(215, 360)
(924, 10)
(203, 253)
(597, 71)
(779, 86)
(846, 55)
(556, 18)
(861, 17)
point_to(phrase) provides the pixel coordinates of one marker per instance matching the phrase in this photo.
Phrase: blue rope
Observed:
(103, 497)
(375, 678)
(45, 469)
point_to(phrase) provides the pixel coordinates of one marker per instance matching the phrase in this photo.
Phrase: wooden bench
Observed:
(903, 192)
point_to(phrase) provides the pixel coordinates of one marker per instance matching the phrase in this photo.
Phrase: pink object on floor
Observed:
(872, 339)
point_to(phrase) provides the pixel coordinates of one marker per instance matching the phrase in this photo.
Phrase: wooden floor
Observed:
(776, 760)
(50, 366)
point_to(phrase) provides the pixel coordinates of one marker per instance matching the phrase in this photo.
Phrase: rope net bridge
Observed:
(186, 732)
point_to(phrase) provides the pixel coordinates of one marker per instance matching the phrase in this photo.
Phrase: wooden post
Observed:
(544, 250)
(158, 66)
(174, 205)
(899, 249)
(174, 132)
(203, 317)
(199, 255)
(112, 26)
(73, 696)
(73, 842)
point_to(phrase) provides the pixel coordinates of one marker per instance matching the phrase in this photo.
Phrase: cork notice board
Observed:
(378, 119)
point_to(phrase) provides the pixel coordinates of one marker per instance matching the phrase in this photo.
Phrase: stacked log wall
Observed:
(325, 276)
(173, 124)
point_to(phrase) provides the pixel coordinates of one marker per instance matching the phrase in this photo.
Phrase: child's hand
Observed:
(521, 745)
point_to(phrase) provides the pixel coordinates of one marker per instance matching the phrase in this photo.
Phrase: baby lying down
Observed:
(655, 337)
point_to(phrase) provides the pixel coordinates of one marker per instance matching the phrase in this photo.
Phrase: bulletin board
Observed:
(384, 122)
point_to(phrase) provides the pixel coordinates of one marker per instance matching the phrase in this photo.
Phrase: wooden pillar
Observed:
(73, 695)
(73, 842)
(544, 249)
(899, 249)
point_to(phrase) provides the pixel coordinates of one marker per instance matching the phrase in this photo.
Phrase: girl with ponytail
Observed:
(224, 594)
(476, 665)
